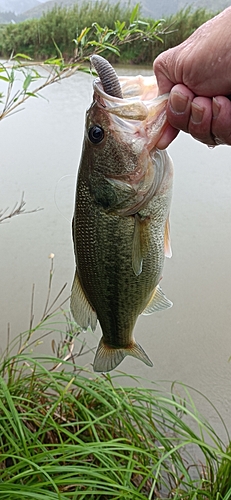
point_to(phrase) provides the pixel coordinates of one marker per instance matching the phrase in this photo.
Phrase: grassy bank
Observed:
(39, 38)
(67, 434)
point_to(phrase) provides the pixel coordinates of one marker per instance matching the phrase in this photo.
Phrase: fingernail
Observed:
(215, 107)
(196, 113)
(178, 102)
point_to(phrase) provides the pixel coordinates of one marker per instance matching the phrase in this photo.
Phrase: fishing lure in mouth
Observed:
(107, 75)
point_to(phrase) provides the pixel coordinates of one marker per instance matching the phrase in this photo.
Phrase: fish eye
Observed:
(95, 134)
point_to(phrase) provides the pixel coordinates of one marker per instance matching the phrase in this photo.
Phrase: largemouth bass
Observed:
(121, 217)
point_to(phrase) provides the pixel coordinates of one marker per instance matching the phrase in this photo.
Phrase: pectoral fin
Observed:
(140, 243)
(81, 310)
(137, 251)
(167, 241)
(158, 302)
(108, 358)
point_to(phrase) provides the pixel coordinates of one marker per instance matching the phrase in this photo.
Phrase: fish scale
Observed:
(120, 224)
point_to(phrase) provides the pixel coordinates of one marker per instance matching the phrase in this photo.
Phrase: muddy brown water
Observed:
(191, 342)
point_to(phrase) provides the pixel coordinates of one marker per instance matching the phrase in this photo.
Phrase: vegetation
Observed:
(36, 37)
(62, 27)
(67, 434)
(18, 209)
(94, 39)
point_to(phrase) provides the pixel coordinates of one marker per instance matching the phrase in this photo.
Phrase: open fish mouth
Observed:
(134, 89)
(132, 102)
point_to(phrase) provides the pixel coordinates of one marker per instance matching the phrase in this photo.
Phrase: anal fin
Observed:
(158, 302)
(108, 358)
(81, 310)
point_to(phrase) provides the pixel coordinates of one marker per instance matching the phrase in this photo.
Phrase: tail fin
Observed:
(108, 358)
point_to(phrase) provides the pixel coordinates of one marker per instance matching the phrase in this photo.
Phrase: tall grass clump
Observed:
(37, 38)
(68, 434)
(61, 26)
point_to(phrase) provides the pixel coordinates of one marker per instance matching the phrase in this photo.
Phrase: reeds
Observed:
(67, 434)
(60, 27)
(70, 435)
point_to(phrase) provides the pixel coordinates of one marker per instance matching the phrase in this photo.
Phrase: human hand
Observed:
(197, 73)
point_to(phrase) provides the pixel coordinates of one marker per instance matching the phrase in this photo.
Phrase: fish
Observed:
(120, 224)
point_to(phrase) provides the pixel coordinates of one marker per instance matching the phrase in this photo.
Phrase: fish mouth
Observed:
(140, 112)
(137, 87)
(135, 90)
(131, 99)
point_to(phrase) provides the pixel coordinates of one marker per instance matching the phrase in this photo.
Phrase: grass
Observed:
(70, 435)
(67, 434)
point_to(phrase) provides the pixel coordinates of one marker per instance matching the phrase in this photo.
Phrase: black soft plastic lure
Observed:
(107, 75)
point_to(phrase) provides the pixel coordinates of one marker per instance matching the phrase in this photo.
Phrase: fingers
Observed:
(179, 107)
(178, 114)
(168, 136)
(207, 120)
(202, 62)
(221, 123)
(200, 120)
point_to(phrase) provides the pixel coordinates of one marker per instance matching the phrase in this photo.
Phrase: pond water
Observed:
(40, 151)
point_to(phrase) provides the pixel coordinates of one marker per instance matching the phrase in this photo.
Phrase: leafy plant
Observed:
(32, 82)
(104, 38)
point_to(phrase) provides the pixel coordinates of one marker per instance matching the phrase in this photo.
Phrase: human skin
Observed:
(197, 73)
